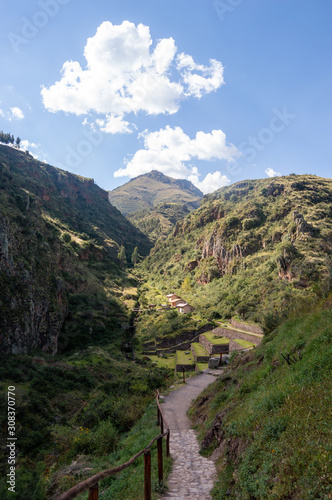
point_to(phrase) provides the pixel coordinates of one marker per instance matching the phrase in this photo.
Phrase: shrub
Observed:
(66, 237)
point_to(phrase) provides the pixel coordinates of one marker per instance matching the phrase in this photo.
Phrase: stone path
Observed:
(192, 476)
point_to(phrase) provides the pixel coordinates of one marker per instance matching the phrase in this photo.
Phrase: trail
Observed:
(192, 476)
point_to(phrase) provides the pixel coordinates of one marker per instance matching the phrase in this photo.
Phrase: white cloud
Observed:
(127, 73)
(211, 182)
(210, 79)
(169, 150)
(16, 113)
(113, 124)
(26, 145)
(2, 113)
(272, 173)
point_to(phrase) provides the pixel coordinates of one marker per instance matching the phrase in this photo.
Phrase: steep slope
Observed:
(59, 239)
(266, 421)
(156, 222)
(257, 249)
(150, 189)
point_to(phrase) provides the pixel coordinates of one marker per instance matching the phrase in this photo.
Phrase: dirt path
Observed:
(192, 476)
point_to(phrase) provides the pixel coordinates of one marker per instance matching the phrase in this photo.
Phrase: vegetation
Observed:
(7, 138)
(156, 222)
(67, 280)
(184, 358)
(215, 340)
(261, 274)
(72, 335)
(268, 421)
(148, 190)
(77, 406)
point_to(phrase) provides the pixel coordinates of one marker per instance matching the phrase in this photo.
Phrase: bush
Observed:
(104, 438)
(66, 237)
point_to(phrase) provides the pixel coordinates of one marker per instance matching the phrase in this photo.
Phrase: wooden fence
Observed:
(92, 484)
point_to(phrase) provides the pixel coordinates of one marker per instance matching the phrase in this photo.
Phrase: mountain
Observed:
(156, 222)
(60, 278)
(148, 190)
(257, 249)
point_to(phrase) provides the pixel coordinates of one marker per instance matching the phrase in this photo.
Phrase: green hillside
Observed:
(148, 190)
(66, 305)
(258, 249)
(267, 421)
(61, 282)
(156, 222)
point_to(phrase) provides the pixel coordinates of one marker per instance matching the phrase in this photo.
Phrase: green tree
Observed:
(186, 285)
(134, 257)
(122, 255)
(18, 141)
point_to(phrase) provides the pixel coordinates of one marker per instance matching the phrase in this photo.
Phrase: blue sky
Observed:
(211, 91)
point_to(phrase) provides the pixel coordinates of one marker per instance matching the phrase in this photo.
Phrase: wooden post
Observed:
(220, 359)
(184, 376)
(160, 459)
(93, 492)
(147, 475)
(167, 443)
(158, 416)
(161, 425)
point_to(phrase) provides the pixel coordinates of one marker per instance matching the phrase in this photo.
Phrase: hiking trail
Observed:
(192, 476)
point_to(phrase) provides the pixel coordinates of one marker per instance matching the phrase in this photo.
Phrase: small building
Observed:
(172, 296)
(184, 307)
(175, 302)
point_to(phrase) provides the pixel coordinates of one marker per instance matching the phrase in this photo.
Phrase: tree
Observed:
(18, 141)
(134, 257)
(186, 285)
(122, 255)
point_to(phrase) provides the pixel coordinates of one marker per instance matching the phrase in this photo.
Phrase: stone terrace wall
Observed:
(246, 327)
(213, 348)
(233, 335)
(168, 345)
(199, 358)
(186, 368)
(234, 346)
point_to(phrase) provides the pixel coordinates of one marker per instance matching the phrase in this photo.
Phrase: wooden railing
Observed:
(92, 484)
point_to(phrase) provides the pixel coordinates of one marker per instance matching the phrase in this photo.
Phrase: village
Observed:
(207, 350)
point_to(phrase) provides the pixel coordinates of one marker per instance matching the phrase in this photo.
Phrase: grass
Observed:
(244, 343)
(129, 484)
(184, 358)
(215, 340)
(202, 366)
(199, 349)
(274, 419)
(231, 327)
(168, 362)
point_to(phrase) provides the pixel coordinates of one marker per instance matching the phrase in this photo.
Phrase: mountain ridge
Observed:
(148, 190)
(59, 241)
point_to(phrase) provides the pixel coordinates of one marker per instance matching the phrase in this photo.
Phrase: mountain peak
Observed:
(150, 189)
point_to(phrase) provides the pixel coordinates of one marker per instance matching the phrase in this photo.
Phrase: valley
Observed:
(100, 309)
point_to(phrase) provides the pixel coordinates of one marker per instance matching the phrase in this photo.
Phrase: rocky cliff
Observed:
(253, 249)
(59, 239)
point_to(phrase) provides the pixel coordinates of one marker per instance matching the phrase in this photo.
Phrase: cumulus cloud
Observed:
(211, 182)
(113, 124)
(272, 173)
(26, 145)
(16, 113)
(127, 73)
(170, 150)
(205, 79)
